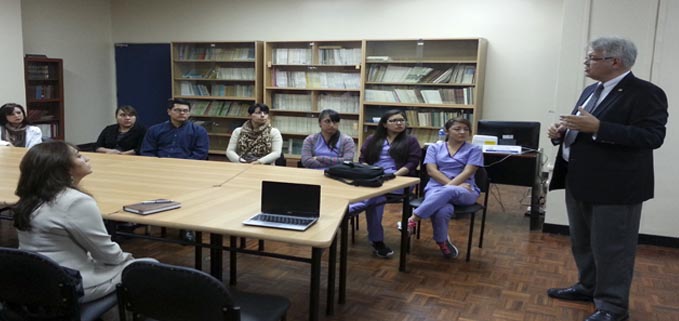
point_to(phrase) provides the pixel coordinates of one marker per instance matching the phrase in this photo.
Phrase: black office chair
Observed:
(173, 293)
(483, 182)
(34, 287)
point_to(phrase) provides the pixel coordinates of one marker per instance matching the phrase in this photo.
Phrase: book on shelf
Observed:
(150, 207)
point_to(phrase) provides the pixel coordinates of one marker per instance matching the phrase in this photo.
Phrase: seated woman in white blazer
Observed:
(54, 217)
(14, 127)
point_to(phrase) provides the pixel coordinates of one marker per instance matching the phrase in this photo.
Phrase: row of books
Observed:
(316, 79)
(191, 89)
(457, 74)
(220, 108)
(462, 96)
(191, 52)
(293, 146)
(43, 92)
(226, 73)
(38, 115)
(341, 103)
(39, 72)
(306, 125)
(339, 56)
(292, 56)
(432, 118)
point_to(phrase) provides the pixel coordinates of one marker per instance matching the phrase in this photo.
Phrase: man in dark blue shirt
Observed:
(177, 137)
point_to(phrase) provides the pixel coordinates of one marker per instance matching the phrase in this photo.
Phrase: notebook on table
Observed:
(288, 206)
(153, 206)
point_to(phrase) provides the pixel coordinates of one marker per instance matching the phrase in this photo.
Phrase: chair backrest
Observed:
(281, 161)
(166, 292)
(34, 287)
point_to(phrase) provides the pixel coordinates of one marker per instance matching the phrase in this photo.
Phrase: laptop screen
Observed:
(291, 199)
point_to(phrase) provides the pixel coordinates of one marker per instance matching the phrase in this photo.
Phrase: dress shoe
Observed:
(570, 293)
(601, 315)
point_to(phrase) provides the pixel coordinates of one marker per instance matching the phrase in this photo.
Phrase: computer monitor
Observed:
(521, 133)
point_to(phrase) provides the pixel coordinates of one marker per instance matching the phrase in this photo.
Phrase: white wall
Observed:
(78, 31)
(12, 53)
(653, 35)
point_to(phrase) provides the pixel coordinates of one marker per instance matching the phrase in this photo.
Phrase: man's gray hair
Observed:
(618, 47)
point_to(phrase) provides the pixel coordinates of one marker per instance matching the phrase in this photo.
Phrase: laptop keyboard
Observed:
(283, 219)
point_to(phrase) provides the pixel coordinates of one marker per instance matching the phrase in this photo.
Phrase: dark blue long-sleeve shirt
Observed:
(188, 141)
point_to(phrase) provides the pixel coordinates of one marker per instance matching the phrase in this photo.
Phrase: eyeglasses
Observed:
(259, 113)
(590, 58)
(181, 111)
(397, 120)
(329, 121)
(461, 129)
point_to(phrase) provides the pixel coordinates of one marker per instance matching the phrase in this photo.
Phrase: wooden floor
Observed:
(506, 280)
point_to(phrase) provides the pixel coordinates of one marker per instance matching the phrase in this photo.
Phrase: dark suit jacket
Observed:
(617, 167)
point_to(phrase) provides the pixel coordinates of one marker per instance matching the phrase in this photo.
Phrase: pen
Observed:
(160, 201)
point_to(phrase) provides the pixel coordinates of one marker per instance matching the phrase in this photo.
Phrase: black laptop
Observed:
(288, 206)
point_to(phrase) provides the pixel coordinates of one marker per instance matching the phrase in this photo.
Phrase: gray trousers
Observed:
(604, 242)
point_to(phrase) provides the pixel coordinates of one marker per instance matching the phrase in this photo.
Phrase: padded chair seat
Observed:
(260, 307)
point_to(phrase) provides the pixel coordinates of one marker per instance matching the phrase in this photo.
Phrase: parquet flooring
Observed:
(506, 280)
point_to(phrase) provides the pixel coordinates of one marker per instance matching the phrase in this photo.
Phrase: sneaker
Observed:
(382, 250)
(448, 249)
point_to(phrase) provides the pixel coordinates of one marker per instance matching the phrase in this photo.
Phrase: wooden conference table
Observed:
(216, 198)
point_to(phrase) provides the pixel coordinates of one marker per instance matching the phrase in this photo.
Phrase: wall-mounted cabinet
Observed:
(302, 78)
(431, 80)
(44, 79)
(221, 80)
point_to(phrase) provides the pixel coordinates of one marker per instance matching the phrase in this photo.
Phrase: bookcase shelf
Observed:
(431, 80)
(221, 80)
(44, 81)
(302, 78)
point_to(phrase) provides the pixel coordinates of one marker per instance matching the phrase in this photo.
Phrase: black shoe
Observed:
(382, 250)
(601, 315)
(571, 294)
(187, 236)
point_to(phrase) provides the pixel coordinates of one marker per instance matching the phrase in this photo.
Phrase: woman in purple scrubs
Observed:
(391, 148)
(451, 166)
(329, 146)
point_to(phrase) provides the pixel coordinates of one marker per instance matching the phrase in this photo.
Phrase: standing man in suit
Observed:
(605, 163)
(177, 138)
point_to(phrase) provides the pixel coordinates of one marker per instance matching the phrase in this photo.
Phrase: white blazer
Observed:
(70, 231)
(33, 136)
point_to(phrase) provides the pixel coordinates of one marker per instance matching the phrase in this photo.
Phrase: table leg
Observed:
(404, 231)
(332, 266)
(344, 233)
(216, 255)
(199, 251)
(314, 292)
(233, 260)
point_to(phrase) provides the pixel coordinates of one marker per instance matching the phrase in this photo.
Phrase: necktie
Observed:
(589, 107)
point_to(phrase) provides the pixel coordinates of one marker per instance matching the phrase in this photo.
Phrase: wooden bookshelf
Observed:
(221, 80)
(302, 78)
(431, 80)
(44, 78)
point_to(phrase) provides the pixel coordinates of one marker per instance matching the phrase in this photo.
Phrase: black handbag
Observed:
(358, 174)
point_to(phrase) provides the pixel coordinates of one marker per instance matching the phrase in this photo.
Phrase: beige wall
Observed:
(78, 31)
(534, 66)
(12, 53)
